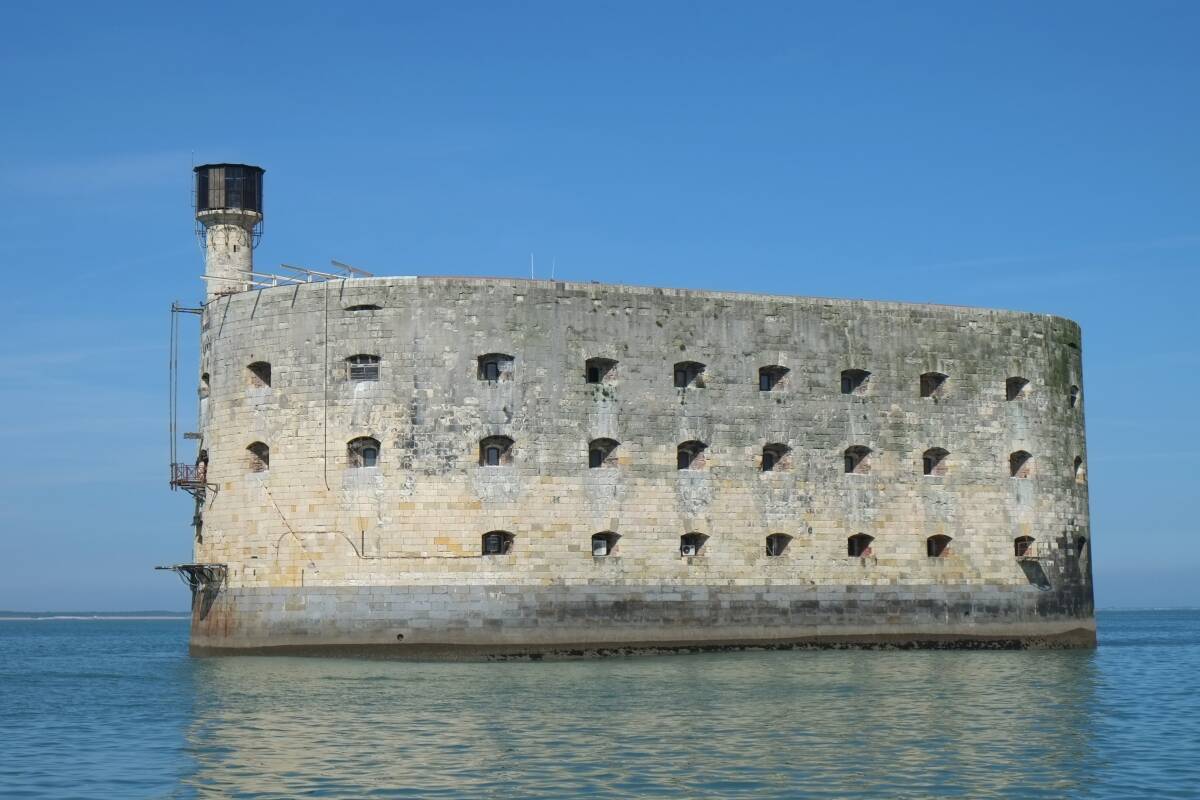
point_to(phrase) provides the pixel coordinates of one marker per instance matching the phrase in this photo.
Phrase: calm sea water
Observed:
(117, 709)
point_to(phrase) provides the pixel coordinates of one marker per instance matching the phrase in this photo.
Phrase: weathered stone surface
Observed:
(303, 537)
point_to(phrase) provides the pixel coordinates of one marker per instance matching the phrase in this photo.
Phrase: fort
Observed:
(464, 466)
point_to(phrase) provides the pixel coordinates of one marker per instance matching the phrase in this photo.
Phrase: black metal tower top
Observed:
(229, 187)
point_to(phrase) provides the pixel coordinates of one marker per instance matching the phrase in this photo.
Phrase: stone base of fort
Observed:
(509, 621)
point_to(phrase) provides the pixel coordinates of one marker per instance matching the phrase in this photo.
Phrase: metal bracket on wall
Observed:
(198, 577)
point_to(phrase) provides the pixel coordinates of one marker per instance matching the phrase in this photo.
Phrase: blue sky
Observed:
(1017, 155)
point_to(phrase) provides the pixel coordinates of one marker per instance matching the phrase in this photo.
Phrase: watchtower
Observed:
(229, 217)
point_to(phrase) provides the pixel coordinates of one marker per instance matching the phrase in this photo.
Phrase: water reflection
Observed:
(819, 724)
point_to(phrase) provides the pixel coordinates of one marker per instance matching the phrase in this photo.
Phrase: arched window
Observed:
(932, 384)
(259, 374)
(690, 455)
(495, 366)
(599, 370)
(775, 457)
(1080, 545)
(604, 544)
(937, 546)
(692, 544)
(495, 451)
(1016, 388)
(770, 377)
(689, 373)
(602, 453)
(363, 367)
(1080, 472)
(854, 381)
(859, 545)
(933, 461)
(1023, 547)
(363, 452)
(497, 543)
(204, 386)
(259, 457)
(857, 460)
(777, 543)
(1020, 464)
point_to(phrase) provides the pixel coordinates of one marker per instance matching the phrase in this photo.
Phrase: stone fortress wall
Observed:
(322, 550)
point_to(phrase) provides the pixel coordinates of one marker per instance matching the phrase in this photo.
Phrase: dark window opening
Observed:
(692, 544)
(1079, 471)
(774, 457)
(495, 451)
(934, 460)
(602, 453)
(857, 460)
(770, 377)
(937, 546)
(1016, 388)
(690, 455)
(689, 373)
(777, 543)
(494, 367)
(859, 545)
(204, 386)
(1074, 396)
(604, 544)
(363, 367)
(260, 374)
(1023, 547)
(854, 381)
(932, 383)
(363, 452)
(599, 370)
(1020, 464)
(1080, 545)
(364, 307)
(497, 543)
(260, 457)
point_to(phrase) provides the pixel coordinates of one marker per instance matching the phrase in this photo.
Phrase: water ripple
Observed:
(112, 709)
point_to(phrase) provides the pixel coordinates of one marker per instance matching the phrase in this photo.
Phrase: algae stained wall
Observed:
(314, 520)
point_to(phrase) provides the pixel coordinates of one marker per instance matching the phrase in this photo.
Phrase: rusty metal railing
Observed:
(183, 475)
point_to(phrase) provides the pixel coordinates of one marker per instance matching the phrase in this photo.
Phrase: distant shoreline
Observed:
(108, 616)
(89, 617)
